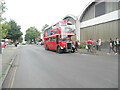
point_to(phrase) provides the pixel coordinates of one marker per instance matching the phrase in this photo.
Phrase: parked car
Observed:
(23, 43)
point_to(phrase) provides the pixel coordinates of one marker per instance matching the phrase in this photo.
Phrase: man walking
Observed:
(111, 45)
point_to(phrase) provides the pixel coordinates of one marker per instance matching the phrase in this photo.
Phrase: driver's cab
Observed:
(65, 38)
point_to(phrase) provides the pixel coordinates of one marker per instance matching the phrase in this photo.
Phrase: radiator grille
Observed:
(69, 45)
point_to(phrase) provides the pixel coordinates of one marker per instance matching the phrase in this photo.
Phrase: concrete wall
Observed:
(103, 31)
(111, 6)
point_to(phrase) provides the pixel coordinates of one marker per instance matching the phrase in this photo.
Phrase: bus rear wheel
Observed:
(46, 47)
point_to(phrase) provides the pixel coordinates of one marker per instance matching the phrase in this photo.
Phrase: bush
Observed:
(82, 46)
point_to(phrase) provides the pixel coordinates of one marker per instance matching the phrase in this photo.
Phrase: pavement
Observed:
(0, 69)
(103, 52)
(7, 56)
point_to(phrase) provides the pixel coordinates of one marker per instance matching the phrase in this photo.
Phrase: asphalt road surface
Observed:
(35, 67)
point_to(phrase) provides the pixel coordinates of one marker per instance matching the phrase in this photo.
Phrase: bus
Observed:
(58, 37)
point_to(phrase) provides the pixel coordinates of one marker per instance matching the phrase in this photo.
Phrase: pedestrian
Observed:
(15, 44)
(41, 43)
(119, 47)
(99, 44)
(90, 44)
(116, 44)
(36, 43)
(76, 45)
(111, 45)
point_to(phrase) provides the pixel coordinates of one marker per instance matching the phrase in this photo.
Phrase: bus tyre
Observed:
(59, 50)
(73, 50)
(46, 47)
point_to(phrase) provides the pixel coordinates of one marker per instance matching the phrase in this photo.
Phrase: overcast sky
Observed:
(37, 13)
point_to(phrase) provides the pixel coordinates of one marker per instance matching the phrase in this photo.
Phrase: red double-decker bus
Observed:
(59, 37)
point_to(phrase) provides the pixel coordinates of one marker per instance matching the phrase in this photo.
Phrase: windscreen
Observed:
(62, 24)
(65, 38)
(67, 30)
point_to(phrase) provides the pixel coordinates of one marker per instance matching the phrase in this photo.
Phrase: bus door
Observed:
(57, 39)
(50, 43)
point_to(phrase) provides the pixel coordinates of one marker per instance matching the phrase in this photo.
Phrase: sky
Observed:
(37, 13)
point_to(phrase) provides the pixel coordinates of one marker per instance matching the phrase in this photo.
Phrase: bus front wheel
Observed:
(73, 50)
(59, 50)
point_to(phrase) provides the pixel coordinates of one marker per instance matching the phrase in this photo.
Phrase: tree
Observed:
(32, 34)
(20, 39)
(2, 9)
(14, 32)
(5, 27)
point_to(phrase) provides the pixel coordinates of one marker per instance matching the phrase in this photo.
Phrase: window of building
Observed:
(100, 9)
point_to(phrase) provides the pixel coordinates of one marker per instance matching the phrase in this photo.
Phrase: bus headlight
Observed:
(61, 47)
(64, 46)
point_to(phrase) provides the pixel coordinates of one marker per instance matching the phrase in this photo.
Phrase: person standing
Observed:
(76, 45)
(111, 45)
(119, 47)
(89, 44)
(99, 44)
(15, 44)
(116, 43)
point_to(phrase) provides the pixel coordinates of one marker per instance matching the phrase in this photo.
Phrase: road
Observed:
(37, 68)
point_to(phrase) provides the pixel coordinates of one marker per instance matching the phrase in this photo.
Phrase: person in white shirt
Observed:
(99, 44)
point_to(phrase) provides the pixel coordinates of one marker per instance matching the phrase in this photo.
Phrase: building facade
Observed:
(99, 20)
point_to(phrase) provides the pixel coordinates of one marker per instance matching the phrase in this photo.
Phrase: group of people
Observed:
(90, 45)
(114, 45)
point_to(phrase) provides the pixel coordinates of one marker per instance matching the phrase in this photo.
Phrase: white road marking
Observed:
(13, 77)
